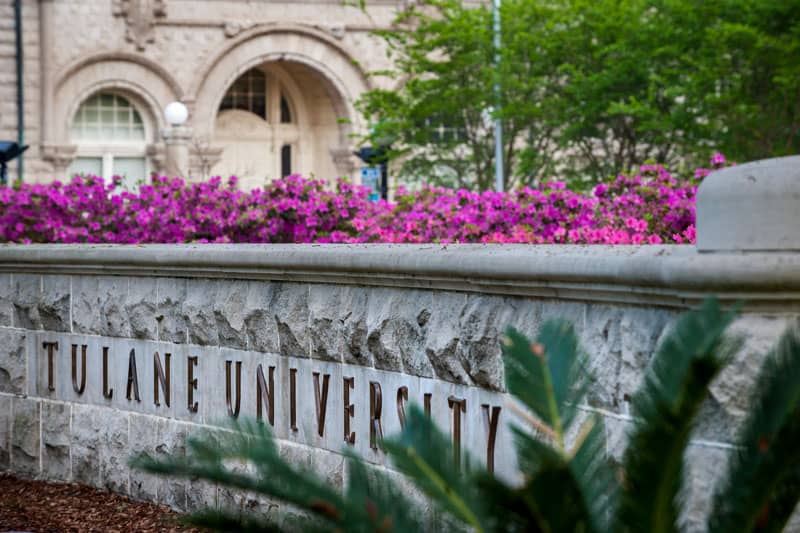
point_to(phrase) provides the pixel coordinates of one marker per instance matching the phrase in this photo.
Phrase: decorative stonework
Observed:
(344, 160)
(140, 17)
(60, 155)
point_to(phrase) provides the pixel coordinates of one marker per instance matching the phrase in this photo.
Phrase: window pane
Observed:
(286, 160)
(249, 93)
(130, 169)
(107, 117)
(88, 166)
(286, 112)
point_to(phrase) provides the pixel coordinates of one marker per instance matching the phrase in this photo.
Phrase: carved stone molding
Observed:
(203, 158)
(344, 160)
(140, 17)
(156, 153)
(59, 155)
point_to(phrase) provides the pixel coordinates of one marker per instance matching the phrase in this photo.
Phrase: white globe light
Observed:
(176, 113)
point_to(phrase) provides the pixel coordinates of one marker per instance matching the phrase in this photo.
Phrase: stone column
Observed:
(751, 207)
(176, 154)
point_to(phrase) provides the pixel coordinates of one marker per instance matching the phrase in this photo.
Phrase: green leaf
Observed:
(549, 376)
(425, 455)
(674, 386)
(762, 485)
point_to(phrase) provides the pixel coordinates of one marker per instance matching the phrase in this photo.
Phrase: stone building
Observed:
(270, 85)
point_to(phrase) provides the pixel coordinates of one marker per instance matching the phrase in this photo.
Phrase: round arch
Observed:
(343, 80)
(138, 79)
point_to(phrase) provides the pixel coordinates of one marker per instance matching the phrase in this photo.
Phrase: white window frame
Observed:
(110, 149)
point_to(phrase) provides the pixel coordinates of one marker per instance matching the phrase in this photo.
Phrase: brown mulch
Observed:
(38, 506)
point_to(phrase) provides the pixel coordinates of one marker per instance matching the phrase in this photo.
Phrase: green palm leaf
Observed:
(762, 485)
(549, 376)
(674, 386)
(425, 454)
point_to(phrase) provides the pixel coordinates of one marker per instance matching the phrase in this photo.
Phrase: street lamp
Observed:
(375, 156)
(8, 151)
(176, 140)
(176, 113)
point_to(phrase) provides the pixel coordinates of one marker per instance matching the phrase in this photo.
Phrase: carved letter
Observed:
(458, 406)
(375, 407)
(349, 410)
(427, 403)
(265, 394)
(50, 347)
(79, 388)
(490, 422)
(191, 362)
(321, 401)
(233, 411)
(133, 378)
(293, 399)
(160, 378)
(402, 397)
(107, 392)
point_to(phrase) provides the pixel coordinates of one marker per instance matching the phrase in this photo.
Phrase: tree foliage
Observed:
(568, 485)
(587, 87)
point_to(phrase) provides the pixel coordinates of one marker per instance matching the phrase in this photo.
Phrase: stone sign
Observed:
(317, 403)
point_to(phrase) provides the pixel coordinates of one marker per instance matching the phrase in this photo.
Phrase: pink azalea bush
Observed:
(651, 206)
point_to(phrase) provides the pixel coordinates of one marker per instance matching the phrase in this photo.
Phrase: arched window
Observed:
(258, 128)
(249, 93)
(111, 139)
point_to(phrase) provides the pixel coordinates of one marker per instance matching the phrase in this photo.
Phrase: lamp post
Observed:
(176, 140)
(498, 123)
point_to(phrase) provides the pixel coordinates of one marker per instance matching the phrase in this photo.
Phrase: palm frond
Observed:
(251, 444)
(425, 454)
(665, 405)
(549, 376)
(762, 485)
(379, 503)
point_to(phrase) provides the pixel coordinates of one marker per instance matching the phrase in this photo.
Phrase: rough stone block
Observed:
(442, 335)
(6, 300)
(702, 472)
(25, 437)
(27, 289)
(145, 429)
(482, 324)
(13, 361)
(395, 325)
(172, 442)
(230, 312)
(114, 306)
(259, 323)
(337, 324)
(290, 308)
(731, 393)
(113, 451)
(5, 431)
(642, 331)
(171, 321)
(86, 440)
(56, 462)
(54, 303)
(140, 308)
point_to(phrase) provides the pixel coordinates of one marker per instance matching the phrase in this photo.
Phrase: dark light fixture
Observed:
(9, 151)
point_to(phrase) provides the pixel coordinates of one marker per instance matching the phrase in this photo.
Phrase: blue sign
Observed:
(371, 177)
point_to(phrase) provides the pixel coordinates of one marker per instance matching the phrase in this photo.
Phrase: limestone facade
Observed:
(270, 84)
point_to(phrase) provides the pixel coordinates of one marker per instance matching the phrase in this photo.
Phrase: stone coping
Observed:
(669, 276)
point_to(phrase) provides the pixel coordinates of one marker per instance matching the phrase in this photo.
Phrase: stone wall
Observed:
(426, 317)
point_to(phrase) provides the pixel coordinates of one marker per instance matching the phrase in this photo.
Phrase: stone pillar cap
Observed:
(751, 207)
